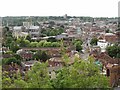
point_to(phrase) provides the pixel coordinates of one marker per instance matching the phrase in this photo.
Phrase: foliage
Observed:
(77, 40)
(23, 42)
(7, 61)
(14, 82)
(6, 82)
(6, 32)
(41, 55)
(81, 74)
(7, 37)
(28, 38)
(114, 51)
(78, 44)
(33, 44)
(9, 52)
(41, 43)
(38, 76)
(47, 44)
(55, 44)
(18, 57)
(14, 47)
(94, 41)
(8, 41)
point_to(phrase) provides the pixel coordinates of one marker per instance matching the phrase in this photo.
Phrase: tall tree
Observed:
(38, 76)
(94, 41)
(41, 55)
(114, 51)
(28, 38)
(82, 74)
(14, 47)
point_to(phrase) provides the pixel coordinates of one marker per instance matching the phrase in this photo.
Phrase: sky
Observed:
(93, 8)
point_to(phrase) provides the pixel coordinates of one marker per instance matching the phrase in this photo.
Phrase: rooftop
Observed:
(34, 27)
(17, 27)
(107, 34)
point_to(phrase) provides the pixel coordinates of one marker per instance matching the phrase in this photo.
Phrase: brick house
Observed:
(55, 62)
(111, 66)
(118, 35)
(26, 55)
(111, 38)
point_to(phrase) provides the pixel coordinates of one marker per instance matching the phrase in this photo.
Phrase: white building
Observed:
(34, 31)
(17, 32)
(102, 44)
(27, 24)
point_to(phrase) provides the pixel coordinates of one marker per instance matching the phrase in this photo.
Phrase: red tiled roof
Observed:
(105, 58)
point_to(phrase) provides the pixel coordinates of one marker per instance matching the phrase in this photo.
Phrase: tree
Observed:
(94, 41)
(6, 81)
(41, 55)
(47, 44)
(77, 40)
(33, 44)
(18, 57)
(18, 41)
(15, 81)
(8, 41)
(14, 47)
(55, 44)
(27, 43)
(23, 42)
(82, 74)
(9, 52)
(41, 43)
(28, 38)
(38, 76)
(78, 46)
(7, 61)
(114, 51)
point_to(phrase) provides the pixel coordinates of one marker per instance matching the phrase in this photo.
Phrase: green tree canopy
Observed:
(7, 61)
(33, 44)
(94, 41)
(14, 47)
(47, 44)
(28, 38)
(41, 55)
(114, 51)
(81, 74)
(55, 44)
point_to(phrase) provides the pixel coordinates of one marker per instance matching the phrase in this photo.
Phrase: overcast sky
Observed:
(93, 8)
